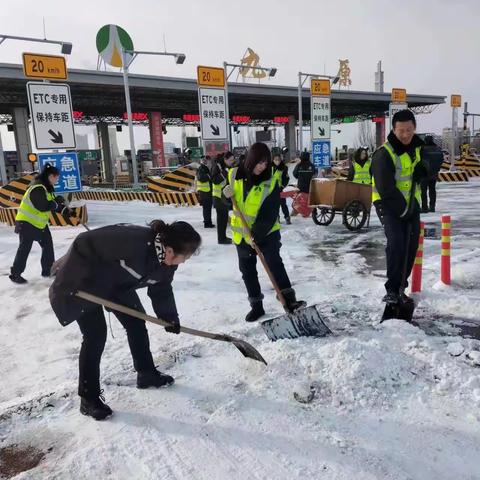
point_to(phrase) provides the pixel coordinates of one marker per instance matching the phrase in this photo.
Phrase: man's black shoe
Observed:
(154, 379)
(17, 279)
(95, 408)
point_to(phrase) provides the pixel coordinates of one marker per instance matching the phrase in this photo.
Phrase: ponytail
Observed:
(180, 236)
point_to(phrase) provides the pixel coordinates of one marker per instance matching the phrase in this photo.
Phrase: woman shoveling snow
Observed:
(113, 262)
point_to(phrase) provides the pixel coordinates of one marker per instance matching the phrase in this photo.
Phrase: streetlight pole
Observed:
(300, 113)
(179, 59)
(301, 82)
(271, 73)
(133, 152)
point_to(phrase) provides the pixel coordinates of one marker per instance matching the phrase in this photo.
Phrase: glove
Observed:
(227, 192)
(174, 328)
(60, 200)
(67, 212)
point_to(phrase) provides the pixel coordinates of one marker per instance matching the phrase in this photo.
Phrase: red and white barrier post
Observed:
(445, 256)
(417, 266)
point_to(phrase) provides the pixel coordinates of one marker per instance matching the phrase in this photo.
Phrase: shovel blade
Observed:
(305, 322)
(248, 350)
(400, 311)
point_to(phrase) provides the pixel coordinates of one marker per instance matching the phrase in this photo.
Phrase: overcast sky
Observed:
(427, 46)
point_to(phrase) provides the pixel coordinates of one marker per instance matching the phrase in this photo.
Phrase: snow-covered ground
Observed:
(392, 401)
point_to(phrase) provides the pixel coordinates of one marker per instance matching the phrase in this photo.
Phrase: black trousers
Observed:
(283, 204)
(94, 330)
(222, 221)
(396, 233)
(206, 203)
(429, 186)
(28, 234)
(247, 262)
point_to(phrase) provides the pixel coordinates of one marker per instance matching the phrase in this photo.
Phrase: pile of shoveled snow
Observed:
(377, 368)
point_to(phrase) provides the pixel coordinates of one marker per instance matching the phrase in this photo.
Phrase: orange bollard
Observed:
(445, 257)
(417, 266)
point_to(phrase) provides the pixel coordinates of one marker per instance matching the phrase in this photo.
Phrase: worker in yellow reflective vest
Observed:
(204, 189)
(395, 166)
(359, 170)
(257, 194)
(31, 222)
(219, 179)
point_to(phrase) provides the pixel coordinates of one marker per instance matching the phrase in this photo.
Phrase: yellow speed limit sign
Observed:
(456, 101)
(399, 95)
(210, 76)
(320, 87)
(44, 66)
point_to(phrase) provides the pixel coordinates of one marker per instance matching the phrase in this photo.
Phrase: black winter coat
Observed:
(112, 262)
(304, 172)
(203, 174)
(383, 171)
(432, 157)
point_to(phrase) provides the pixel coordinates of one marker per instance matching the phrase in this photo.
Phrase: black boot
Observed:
(292, 302)
(257, 310)
(225, 241)
(17, 279)
(288, 221)
(153, 379)
(95, 407)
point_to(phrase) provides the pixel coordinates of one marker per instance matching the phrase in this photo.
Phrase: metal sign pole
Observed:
(453, 138)
(300, 113)
(3, 169)
(227, 108)
(130, 120)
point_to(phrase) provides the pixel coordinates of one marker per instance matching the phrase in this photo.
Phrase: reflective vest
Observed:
(404, 168)
(203, 186)
(28, 213)
(277, 175)
(362, 174)
(250, 206)
(218, 187)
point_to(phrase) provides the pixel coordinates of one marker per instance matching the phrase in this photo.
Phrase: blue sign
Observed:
(321, 153)
(67, 163)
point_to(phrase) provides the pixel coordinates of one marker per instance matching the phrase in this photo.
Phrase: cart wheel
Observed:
(323, 215)
(354, 215)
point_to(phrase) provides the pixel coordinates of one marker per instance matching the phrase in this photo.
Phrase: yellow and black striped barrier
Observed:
(7, 215)
(12, 193)
(179, 180)
(163, 198)
(458, 176)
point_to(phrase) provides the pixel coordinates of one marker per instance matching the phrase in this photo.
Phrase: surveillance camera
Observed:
(180, 58)
(66, 48)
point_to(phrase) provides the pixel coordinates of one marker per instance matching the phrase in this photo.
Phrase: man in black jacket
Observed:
(433, 157)
(204, 188)
(395, 166)
(304, 172)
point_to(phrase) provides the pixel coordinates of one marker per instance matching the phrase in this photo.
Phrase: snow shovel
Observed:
(402, 310)
(245, 348)
(304, 322)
